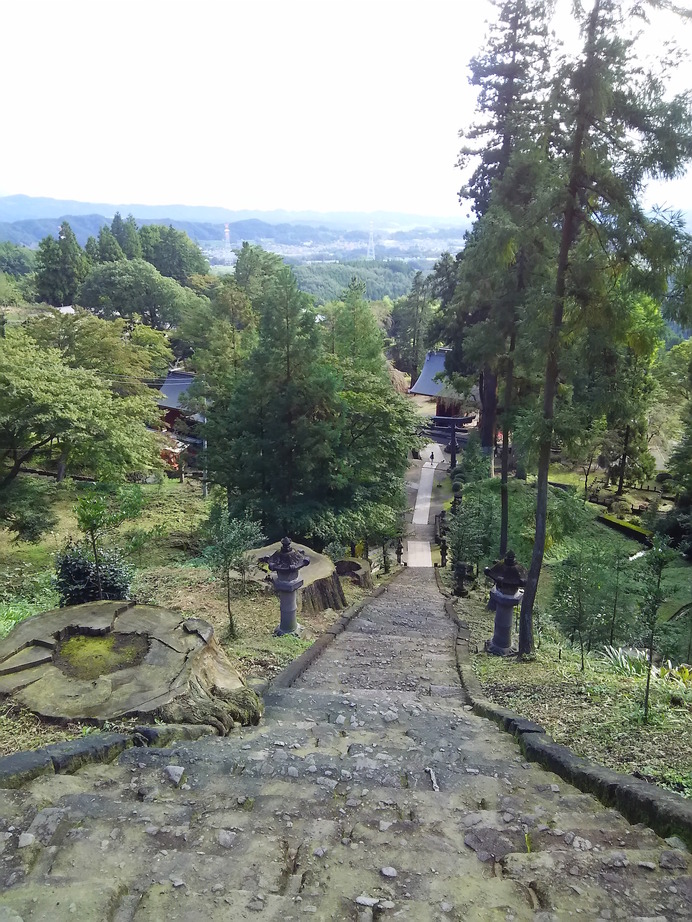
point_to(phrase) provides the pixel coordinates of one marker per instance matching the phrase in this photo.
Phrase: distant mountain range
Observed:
(25, 207)
(301, 235)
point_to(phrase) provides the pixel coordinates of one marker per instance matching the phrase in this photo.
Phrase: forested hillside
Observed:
(326, 281)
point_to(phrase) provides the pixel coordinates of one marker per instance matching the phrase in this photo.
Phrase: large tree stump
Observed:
(321, 585)
(357, 570)
(106, 660)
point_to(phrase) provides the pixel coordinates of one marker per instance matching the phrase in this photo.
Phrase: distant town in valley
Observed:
(298, 237)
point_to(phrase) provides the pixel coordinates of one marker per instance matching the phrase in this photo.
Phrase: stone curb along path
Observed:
(369, 791)
(667, 813)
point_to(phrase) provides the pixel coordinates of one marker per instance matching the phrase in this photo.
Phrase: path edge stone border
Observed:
(298, 666)
(638, 801)
(20, 768)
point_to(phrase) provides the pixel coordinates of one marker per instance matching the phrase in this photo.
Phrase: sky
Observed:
(326, 105)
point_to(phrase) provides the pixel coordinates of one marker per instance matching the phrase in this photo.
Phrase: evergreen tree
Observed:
(61, 266)
(506, 245)
(109, 249)
(617, 128)
(255, 269)
(411, 320)
(272, 441)
(579, 603)
(355, 336)
(129, 238)
(510, 75)
(91, 248)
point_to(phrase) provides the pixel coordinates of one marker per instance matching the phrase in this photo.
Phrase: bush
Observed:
(76, 579)
(662, 476)
(676, 526)
(620, 508)
(335, 551)
(25, 509)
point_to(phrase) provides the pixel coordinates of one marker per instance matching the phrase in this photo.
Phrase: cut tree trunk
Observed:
(151, 664)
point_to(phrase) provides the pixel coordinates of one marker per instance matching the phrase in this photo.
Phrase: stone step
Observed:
(382, 797)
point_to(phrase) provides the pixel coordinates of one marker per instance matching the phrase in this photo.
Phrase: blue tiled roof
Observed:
(173, 388)
(426, 383)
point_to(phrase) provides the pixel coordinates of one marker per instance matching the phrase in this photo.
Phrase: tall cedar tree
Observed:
(511, 77)
(61, 266)
(411, 320)
(272, 441)
(616, 129)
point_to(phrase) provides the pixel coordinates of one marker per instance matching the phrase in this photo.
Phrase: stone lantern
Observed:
(286, 563)
(509, 578)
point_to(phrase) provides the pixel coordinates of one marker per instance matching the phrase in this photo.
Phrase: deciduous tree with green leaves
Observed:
(44, 401)
(228, 540)
(134, 288)
(171, 252)
(101, 510)
(125, 355)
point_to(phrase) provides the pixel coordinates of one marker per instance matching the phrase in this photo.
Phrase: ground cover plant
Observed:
(586, 683)
(598, 713)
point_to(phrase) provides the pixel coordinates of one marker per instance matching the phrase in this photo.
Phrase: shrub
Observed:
(335, 551)
(620, 508)
(626, 662)
(76, 580)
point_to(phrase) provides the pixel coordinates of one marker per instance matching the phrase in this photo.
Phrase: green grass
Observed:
(598, 713)
(677, 585)
(630, 526)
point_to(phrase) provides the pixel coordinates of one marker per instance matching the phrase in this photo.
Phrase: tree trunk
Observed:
(488, 414)
(61, 469)
(569, 232)
(232, 633)
(615, 605)
(20, 459)
(96, 564)
(648, 674)
(504, 475)
(621, 483)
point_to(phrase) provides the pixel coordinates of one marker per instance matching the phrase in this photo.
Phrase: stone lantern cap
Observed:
(288, 558)
(507, 574)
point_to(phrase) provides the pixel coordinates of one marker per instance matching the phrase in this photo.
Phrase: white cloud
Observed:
(300, 104)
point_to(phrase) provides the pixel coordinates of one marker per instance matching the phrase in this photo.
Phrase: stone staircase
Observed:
(369, 791)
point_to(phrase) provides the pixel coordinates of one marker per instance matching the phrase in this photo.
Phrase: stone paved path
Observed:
(421, 527)
(368, 792)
